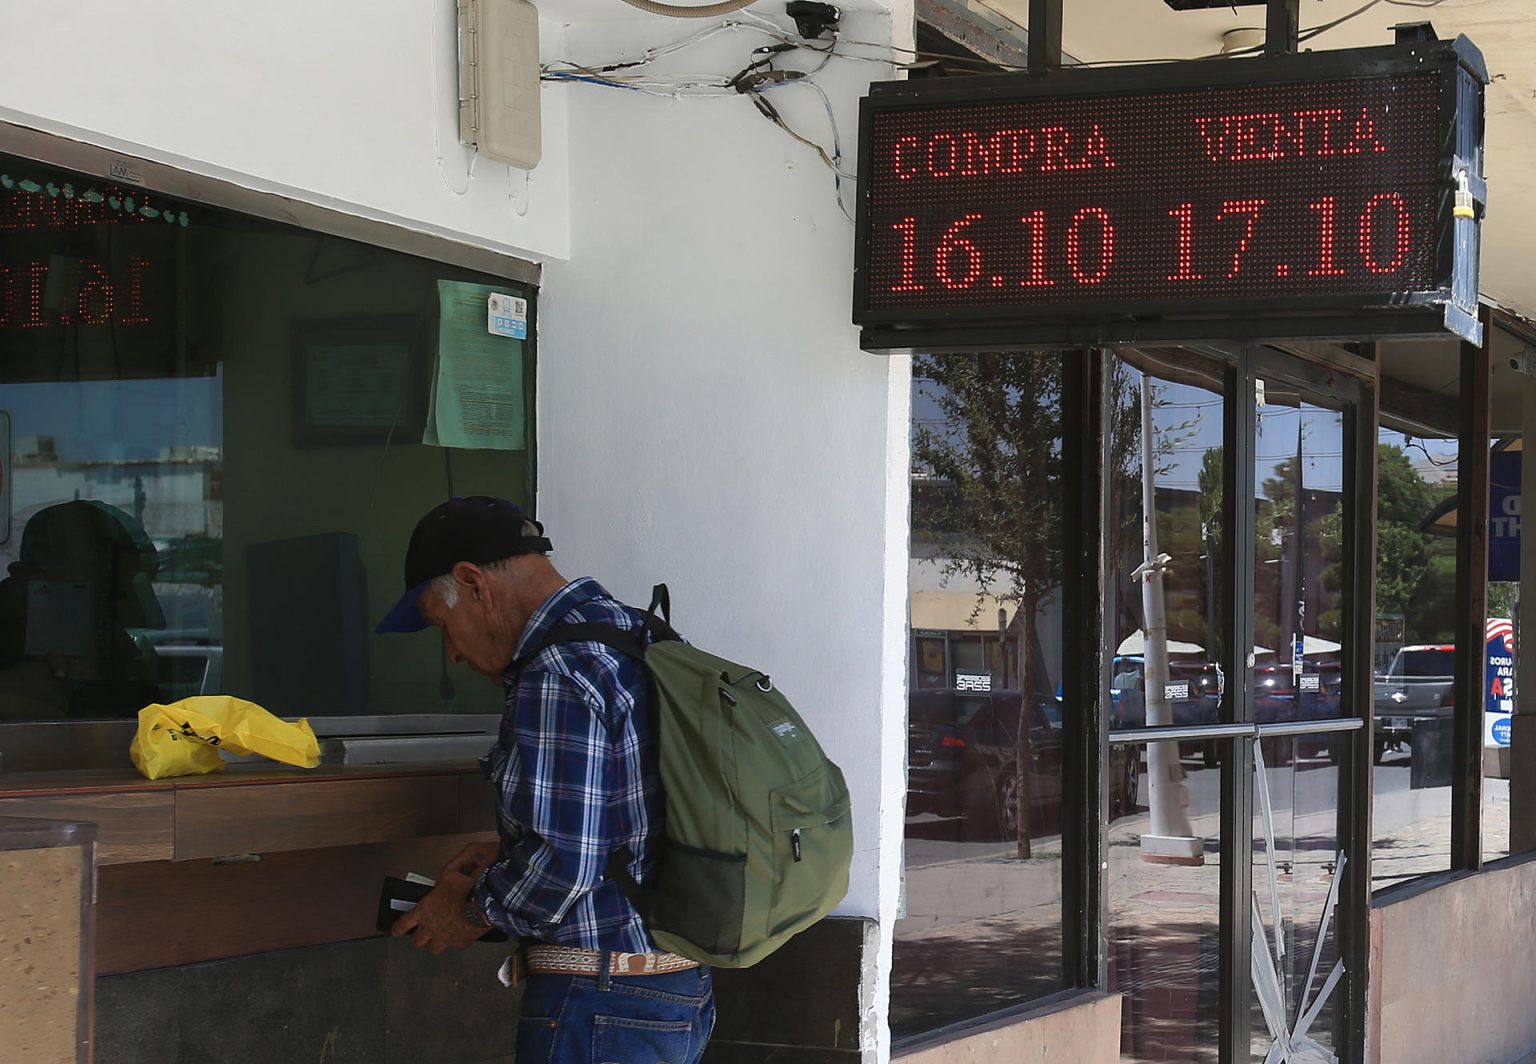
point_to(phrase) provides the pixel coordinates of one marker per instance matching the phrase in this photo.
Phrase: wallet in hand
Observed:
(399, 896)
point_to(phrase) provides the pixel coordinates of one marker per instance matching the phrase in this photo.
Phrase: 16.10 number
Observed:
(958, 262)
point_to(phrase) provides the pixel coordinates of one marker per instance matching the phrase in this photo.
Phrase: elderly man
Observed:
(576, 778)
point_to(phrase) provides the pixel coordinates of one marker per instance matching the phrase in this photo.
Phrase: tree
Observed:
(1415, 572)
(998, 454)
(1402, 551)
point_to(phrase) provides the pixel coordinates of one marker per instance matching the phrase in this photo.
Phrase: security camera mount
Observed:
(812, 19)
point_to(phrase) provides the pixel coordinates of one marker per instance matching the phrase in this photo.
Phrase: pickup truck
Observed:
(1420, 685)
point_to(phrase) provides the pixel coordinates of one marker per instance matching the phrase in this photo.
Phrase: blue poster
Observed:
(1504, 516)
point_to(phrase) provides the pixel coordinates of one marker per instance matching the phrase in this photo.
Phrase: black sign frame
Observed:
(1449, 308)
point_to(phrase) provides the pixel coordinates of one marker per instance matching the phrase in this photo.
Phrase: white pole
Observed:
(1172, 838)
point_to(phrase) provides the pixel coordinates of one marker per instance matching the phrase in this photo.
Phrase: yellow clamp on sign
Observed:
(185, 737)
(1463, 207)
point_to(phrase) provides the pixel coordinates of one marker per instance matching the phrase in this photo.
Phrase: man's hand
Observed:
(472, 860)
(437, 922)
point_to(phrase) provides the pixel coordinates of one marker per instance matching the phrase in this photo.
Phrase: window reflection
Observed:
(182, 518)
(1164, 921)
(113, 594)
(1298, 561)
(983, 924)
(1416, 608)
(1167, 472)
(1168, 418)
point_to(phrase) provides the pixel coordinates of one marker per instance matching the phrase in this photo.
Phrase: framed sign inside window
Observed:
(358, 381)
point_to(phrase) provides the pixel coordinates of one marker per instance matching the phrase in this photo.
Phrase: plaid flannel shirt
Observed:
(576, 774)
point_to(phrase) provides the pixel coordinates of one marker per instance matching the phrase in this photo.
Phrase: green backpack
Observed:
(759, 835)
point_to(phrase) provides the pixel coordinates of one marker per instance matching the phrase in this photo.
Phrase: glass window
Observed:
(1296, 866)
(1164, 919)
(215, 430)
(1298, 561)
(1500, 698)
(1169, 579)
(1416, 609)
(928, 662)
(1505, 634)
(983, 866)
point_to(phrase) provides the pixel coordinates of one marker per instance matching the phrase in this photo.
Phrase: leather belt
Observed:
(569, 960)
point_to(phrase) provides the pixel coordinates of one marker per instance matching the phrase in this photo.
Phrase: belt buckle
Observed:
(624, 963)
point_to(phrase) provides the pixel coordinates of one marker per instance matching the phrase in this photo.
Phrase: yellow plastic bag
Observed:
(184, 738)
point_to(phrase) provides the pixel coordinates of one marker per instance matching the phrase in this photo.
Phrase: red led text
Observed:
(1048, 149)
(41, 295)
(1202, 244)
(958, 262)
(1299, 134)
(21, 210)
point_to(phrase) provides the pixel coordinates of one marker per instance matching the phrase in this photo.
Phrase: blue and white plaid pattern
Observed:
(576, 771)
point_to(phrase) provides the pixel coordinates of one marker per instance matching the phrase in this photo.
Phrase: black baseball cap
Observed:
(476, 528)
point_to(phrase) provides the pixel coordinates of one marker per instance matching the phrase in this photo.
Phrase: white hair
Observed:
(447, 589)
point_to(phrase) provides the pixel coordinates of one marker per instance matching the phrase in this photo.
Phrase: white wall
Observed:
(706, 416)
(348, 103)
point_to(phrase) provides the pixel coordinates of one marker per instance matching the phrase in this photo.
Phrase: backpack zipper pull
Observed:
(794, 843)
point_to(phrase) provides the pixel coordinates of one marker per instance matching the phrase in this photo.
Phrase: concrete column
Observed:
(1522, 743)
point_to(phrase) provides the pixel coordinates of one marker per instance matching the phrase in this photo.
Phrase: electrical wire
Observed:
(650, 55)
(754, 80)
(589, 78)
(838, 174)
(1449, 463)
(832, 161)
(749, 21)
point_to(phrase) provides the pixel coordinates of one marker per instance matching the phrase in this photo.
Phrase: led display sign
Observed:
(1277, 196)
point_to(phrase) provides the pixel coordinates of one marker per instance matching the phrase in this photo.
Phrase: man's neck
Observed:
(530, 595)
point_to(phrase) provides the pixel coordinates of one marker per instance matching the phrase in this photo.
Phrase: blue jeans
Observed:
(621, 1019)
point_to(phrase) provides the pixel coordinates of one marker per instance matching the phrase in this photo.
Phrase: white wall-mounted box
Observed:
(499, 80)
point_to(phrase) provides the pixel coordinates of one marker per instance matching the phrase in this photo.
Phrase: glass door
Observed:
(1168, 709)
(1230, 611)
(1300, 509)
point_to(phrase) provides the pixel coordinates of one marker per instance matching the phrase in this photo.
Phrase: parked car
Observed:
(961, 761)
(1195, 689)
(1419, 685)
(1193, 694)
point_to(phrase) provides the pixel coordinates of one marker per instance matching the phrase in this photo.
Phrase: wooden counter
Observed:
(255, 809)
(254, 858)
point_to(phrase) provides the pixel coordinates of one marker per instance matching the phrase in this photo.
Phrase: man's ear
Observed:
(471, 578)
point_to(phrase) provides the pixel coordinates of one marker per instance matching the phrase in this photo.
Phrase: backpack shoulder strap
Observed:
(630, 644)
(658, 618)
(655, 628)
